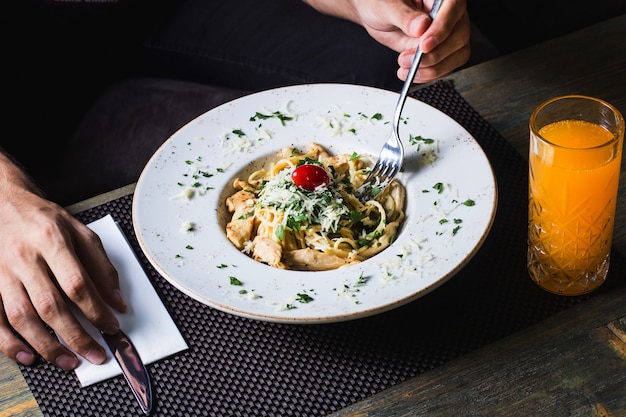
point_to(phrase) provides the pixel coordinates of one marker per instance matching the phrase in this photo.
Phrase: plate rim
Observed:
(312, 319)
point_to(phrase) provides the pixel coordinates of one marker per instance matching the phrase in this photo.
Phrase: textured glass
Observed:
(559, 259)
(574, 167)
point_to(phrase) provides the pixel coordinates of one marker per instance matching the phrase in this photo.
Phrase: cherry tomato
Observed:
(310, 176)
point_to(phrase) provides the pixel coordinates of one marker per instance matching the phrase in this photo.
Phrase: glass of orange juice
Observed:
(574, 166)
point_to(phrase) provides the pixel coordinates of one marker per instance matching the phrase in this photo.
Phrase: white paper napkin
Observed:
(146, 322)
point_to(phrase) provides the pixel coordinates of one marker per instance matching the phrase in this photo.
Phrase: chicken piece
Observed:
(286, 153)
(268, 251)
(317, 151)
(313, 260)
(241, 199)
(239, 229)
(340, 163)
(240, 184)
(240, 202)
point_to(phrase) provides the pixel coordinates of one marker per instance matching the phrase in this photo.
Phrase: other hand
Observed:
(48, 262)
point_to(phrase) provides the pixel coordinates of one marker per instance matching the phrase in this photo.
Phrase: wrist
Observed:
(12, 177)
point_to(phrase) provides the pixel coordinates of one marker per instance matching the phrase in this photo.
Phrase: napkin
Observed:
(146, 321)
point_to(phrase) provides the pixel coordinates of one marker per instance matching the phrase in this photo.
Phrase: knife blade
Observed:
(133, 368)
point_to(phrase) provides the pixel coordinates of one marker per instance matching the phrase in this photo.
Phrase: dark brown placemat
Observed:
(241, 367)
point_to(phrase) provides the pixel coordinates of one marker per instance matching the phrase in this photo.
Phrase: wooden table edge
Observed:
(101, 199)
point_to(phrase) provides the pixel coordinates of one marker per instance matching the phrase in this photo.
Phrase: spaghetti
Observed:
(317, 228)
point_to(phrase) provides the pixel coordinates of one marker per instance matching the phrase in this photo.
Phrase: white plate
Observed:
(426, 253)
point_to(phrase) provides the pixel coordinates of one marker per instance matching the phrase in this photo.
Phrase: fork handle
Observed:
(413, 70)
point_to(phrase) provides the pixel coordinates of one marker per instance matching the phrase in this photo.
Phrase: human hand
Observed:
(48, 261)
(446, 44)
(403, 25)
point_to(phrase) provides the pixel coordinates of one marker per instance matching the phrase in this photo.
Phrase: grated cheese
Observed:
(187, 226)
(411, 258)
(187, 193)
(282, 193)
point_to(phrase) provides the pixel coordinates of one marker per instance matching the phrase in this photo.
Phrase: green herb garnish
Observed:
(469, 203)
(438, 187)
(304, 298)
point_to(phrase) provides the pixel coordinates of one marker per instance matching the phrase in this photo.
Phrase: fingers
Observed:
(444, 49)
(49, 261)
(11, 345)
(428, 71)
(72, 277)
(445, 24)
(97, 265)
(415, 22)
(24, 312)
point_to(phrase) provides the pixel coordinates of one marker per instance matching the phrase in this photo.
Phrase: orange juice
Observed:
(574, 168)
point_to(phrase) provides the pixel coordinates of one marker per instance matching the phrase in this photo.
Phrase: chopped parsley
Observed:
(438, 187)
(356, 216)
(304, 298)
(235, 281)
(362, 280)
(246, 215)
(203, 174)
(276, 115)
(417, 140)
(469, 203)
(280, 232)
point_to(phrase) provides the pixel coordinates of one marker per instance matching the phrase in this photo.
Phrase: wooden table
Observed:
(571, 364)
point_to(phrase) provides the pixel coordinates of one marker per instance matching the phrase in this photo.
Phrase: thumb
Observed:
(417, 25)
(407, 16)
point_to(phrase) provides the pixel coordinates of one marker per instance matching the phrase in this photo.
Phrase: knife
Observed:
(133, 368)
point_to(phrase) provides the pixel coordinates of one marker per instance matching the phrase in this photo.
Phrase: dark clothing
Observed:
(259, 45)
(85, 127)
(95, 86)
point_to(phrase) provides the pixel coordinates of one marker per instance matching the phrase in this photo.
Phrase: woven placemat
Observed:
(241, 367)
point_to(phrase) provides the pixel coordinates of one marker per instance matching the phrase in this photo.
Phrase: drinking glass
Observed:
(574, 166)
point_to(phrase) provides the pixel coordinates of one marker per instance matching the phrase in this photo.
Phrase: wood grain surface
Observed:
(506, 90)
(573, 364)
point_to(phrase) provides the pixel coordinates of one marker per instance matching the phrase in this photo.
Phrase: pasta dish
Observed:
(301, 213)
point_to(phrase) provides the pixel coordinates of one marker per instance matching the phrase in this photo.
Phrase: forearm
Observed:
(344, 9)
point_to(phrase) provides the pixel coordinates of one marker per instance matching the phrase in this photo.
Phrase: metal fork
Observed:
(391, 155)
